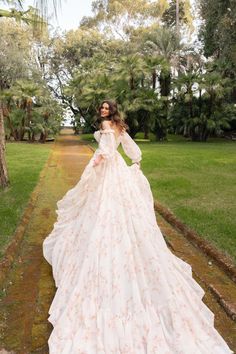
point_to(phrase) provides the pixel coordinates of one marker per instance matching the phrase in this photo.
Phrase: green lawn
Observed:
(24, 161)
(197, 181)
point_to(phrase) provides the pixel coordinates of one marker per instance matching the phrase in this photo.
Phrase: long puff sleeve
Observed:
(107, 144)
(131, 149)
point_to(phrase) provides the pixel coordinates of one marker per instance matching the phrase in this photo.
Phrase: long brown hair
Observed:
(114, 116)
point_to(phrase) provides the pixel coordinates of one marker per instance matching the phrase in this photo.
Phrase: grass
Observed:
(24, 161)
(196, 181)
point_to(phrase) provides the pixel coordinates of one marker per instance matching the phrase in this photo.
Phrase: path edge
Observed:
(12, 249)
(222, 260)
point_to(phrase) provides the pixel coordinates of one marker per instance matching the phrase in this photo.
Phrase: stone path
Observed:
(29, 286)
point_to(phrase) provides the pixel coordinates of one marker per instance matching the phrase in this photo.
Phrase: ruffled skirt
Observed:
(120, 290)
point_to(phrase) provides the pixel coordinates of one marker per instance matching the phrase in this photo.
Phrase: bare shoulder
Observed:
(106, 125)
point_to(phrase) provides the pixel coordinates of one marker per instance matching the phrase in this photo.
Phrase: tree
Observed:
(199, 107)
(164, 43)
(218, 34)
(31, 109)
(178, 10)
(31, 16)
(119, 18)
(68, 58)
(4, 179)
(12, 66)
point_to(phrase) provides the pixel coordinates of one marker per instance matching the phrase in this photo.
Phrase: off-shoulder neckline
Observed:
(107, 130)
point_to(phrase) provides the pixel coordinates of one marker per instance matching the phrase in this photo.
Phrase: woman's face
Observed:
(105, 112)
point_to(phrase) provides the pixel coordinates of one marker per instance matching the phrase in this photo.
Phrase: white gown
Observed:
(120, 290)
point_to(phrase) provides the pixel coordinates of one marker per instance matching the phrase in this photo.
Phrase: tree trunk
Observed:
(186, 131)
(154, 79)
(165, 82)
(12, 129)
(146, 132)
(160, 134)
(142, 82)
(131, 82)
(200, 102)
(45, 136)
(4, 180)
(22, 130)
(29, 117)
(146, 135)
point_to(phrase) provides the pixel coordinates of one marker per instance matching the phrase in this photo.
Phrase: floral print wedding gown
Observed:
(120, 290)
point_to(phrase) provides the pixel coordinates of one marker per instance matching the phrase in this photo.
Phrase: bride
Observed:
(120, 290)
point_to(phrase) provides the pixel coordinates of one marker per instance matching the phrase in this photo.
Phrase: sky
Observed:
(70, 14)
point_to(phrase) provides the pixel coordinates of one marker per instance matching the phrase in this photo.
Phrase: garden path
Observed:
(29, 287)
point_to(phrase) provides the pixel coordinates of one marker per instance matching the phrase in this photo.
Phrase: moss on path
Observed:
(29, 286)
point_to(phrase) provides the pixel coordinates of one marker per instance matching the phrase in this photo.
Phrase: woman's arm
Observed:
(130, 148)
(97, 160)
(107, 144)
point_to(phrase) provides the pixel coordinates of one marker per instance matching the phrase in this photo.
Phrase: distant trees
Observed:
(27, 107)
(133, 52)
(160, 84)
(30, 110)
(218, 35)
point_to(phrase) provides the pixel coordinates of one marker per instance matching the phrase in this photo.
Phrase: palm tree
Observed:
(21, 95)
(19, 15)
(153, 65)
(185, 84)
(199, 107)
(165, 43)
(130, 69)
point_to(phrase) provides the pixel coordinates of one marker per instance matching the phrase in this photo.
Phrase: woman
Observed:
(120, 290)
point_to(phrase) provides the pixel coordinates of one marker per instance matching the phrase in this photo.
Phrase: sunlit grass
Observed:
(195, 180)
(24, 161)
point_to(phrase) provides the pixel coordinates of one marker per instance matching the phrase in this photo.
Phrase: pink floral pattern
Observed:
(120, 290)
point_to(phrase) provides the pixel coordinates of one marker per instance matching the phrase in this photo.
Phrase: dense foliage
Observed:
(133, 53)
(29, 108)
